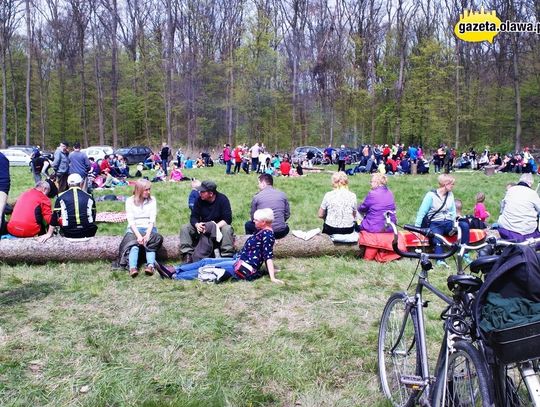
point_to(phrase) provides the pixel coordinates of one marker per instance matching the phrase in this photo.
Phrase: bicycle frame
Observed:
(458, 303)
(460, 332)
(416, 303)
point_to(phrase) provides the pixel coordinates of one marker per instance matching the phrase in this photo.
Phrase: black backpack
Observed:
(515, 274)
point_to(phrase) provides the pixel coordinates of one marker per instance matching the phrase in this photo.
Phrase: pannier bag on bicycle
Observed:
(508, 305)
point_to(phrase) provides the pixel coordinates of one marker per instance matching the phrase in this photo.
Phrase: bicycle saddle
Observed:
(466, 282)
(483, 264)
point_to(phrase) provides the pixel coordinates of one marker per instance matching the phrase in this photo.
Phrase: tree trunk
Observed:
(4, 98)
(84, 121)
(42, 93)
(28, 72)
(114, 72)
(42, 109)
(399, 95)
(517, 93)
(15, 99)
(230, 97)
(100, 97)
(168, 71)
(144, 66)
(458, 101)
(59, 249)
(81, 21)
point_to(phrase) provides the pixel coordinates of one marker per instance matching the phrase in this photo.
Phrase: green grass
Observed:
(84, 335)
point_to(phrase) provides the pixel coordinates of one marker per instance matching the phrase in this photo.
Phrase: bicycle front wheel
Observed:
(464, 382)
(398, 352)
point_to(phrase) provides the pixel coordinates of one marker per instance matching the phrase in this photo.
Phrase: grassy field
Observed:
(84, 335)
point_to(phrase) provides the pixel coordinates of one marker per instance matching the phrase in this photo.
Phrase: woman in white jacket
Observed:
(141, 211)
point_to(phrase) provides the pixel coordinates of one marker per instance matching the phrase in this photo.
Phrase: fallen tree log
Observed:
(58, 249)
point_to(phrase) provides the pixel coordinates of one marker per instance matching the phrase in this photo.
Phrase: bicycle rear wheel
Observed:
(464, 382)
(398, 352)
(510, 389)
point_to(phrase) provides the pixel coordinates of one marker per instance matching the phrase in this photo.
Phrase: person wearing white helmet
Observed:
(74, 212)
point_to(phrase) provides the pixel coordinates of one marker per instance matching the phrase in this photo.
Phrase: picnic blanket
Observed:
(412, 239)
(111, 217)
(378, 246)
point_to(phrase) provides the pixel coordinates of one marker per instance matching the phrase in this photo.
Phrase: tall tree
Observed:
(29, 44)
(171, 7)
(80, 13)
(294, 20)
(8, 24)
(400, 15)
(97, 45)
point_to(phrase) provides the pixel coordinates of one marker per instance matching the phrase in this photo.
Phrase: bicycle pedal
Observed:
(413, 382)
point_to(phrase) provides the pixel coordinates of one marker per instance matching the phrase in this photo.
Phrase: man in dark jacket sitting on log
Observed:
(210, 222)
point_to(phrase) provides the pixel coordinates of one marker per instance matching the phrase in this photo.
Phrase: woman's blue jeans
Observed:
(191, 271)
(134, 251)
(443, 228)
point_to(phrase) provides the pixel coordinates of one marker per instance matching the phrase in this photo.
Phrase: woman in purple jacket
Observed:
(379, 200)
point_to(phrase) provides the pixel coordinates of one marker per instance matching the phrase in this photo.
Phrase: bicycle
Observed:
(460, 374)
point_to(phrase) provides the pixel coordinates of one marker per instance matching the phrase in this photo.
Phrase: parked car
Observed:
(134, 155)
(300, 154)
(98, 152)
(352, 156)
(26, 148)
(30, 150)
(17, 157)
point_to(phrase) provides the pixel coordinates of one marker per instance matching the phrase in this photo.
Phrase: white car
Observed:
(98, 152)
(17, 157)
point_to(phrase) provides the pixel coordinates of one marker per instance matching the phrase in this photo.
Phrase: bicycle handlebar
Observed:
(529, 242)
(425, 232)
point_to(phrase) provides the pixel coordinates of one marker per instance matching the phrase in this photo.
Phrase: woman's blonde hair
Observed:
(379, 178)
(138, 191)
(340, 179)
(445, 179)
(264, 215)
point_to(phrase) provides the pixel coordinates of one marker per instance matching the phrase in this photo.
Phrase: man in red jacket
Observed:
(32, 212)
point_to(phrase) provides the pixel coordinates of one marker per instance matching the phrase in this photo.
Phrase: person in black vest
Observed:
(74, 211)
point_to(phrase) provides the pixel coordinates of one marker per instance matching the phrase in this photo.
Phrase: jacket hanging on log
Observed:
(130, 239)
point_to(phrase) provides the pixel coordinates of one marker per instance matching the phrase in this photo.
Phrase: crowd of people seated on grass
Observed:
(394, 159)
(210, 227)
(511, 162)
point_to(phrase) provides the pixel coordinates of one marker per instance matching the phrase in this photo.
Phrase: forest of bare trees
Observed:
(200, 73)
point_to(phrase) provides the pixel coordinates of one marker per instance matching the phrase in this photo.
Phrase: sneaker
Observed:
(442, 263)
(149, 270)
(133, 272)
